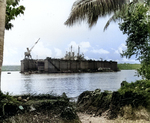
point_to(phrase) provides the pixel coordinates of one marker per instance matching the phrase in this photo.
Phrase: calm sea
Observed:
(72, 84)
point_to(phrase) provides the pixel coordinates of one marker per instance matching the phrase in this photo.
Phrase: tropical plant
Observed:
(92, 10)
(144, 70)
(136, 92)
(9, 9)
(135, 23)
(13, 9)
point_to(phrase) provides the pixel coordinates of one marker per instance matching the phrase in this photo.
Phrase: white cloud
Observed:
(10, 56)
(84, 46)
(120, 49)
(58, 53)
(129, 60)
(124, 60)
(73, 44)
(41, 51)
(100, 51)
(87, 58)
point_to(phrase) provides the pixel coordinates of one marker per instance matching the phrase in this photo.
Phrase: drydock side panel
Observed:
(92, 65)
(99, 64)
(51, 67)
(46, 66)
(58, 65)
(84, 65)
(64, 65)
(28, 65)
(114, 66)
(73, 65)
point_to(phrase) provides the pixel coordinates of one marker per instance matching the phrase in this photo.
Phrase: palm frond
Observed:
(91, 10)
(117, 15)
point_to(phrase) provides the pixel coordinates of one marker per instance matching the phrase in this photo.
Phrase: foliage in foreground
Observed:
(12, 11)
(131, 97)
(7, 103)
(136, 25)
(138, 91)
(38, 108)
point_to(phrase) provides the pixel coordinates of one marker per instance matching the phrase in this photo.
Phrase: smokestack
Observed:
(78, 50)
(71, 49)
(72, 55)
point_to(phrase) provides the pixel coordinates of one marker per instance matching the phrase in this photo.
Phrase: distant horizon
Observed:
(11, 65)
(117, 63)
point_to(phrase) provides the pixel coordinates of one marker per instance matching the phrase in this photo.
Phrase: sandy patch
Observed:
(86, 118)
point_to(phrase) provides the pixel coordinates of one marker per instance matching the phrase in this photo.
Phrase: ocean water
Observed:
(72, 84)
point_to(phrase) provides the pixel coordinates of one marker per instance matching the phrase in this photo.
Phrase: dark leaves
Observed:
(12, 10)
(136, 26)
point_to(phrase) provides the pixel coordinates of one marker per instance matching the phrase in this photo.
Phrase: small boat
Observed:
(8, 72)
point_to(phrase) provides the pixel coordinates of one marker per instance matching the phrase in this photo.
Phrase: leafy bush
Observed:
(132, 95)
(137, 93)
(8, 104)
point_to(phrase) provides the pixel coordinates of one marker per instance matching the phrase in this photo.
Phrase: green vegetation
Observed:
(136, 25)
(13, 10)
(11, 68)
(136, 93)
(127, 66)
(131, 101)
(37, 109)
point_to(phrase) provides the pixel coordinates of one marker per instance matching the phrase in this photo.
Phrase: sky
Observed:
(45, 20)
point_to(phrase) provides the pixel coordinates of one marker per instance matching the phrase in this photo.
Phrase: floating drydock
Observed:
(70, 63)
(50, 65)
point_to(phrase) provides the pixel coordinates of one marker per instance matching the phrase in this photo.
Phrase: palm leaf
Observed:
(117, 16)
(91, 10)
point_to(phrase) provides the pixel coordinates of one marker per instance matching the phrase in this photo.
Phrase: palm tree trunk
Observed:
(2, 31)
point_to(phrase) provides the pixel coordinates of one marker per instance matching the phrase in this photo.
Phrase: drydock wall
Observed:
(49, 65)
(28, 65)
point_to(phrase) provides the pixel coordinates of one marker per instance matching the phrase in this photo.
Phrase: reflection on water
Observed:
(72, 84)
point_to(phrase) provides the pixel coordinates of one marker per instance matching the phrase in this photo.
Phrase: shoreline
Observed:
(129, 103)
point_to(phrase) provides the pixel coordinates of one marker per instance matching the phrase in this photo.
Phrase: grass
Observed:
(127, 66)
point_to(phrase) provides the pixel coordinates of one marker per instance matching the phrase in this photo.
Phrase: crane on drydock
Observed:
(27, 54)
